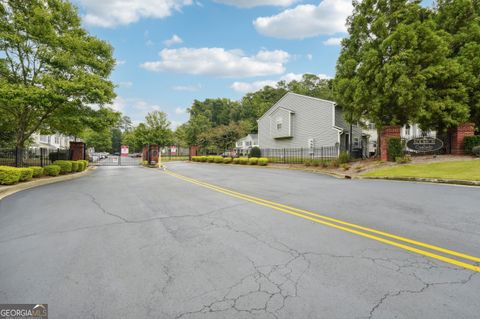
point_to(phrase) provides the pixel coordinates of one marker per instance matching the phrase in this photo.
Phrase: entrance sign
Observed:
(173, 150)
(425, 144)
(124, 150)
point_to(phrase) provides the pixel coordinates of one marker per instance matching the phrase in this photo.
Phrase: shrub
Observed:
(81, 166)
(395, 148)
(210, 159)
(403, 159)
(145, 163)
(263, 161)
(307, 162)
(243, 160)
(65, 166)
(345, 167)
(37, 171)
(218, 159)
(343, 158)
(255, 152)
(74, 166)
(203, 159)
(236, 160)
(52, 170)
(316, 163)
(476, 151)
(471, 142)
(324, 163)
(86, 163)
(26, 174)
(9, 175)
(253, 161)
(227, 160)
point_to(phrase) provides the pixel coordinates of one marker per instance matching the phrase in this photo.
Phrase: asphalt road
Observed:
(130, 242)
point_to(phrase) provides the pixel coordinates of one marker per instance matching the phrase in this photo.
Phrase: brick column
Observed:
(458, 135)
(77, 149)
(154, 153)
(145, 153)
(387, 133)
(193, 151)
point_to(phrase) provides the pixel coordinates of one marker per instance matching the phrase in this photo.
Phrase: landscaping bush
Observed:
(37, 171)
(395, 148)
(476, 151)
(81, 166)
(471, 142)
(227, 160)
(26, 174)
(202, 159)
(316, 163)
(403, 159)
(52, 170)
(236, 160)
(195, 158)
(324, 163)
(253, 160)
(255, 152)
(307, 162)
(343, 158)
(74, 166)
(210, 159)
(263, 161)
(65, 166)
(9, 175)
(86, 163)
(243, 160)
(218, 159)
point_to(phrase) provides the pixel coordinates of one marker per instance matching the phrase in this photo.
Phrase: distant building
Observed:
(299, 121)
(55, 141)
(244, 144)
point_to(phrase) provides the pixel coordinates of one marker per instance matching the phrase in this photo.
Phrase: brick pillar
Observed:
(154, 152)
(458, 135)
(77, 150)
(145, 153)
(193, 151)
(387, 133)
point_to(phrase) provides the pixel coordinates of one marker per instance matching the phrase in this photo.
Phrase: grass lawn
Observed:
(462, 170)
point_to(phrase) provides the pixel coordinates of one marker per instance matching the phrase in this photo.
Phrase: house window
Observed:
(248, 143)
(44, 138)
(57, 139)
(371, 126)
(407, 130)
(355, 142)
(279, 124)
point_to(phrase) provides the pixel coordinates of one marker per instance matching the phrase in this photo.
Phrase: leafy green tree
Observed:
(223, 137)
(101, 140)
(394, 68)
(50, 67)
(157, 129)
(196, 126)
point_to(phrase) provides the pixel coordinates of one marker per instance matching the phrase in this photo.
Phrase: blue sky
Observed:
(171, 52)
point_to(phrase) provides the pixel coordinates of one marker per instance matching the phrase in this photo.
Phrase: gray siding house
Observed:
(299, 121)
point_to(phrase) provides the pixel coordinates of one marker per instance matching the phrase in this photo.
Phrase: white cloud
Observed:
(333, 41)
(309, 57)
(120, 62)
(257, 3)
(187, 88)
(219, 62)
(180, 110)
(247, 87)
(175, 39)
(307, 20)
(110, 13)
(125, 84)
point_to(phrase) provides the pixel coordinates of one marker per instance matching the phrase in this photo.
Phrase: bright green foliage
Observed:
(227, 160)
(52, 170)
(26, 174)
(243, 160)
(81, 166)
(255, 152)
(471, 142)
(74, 166)
(253, 160)
(223, 137)
(101, 140)
(65, 166)
(236, 160)
(394, 68)
(396, 148)
(37, 171)
(263, 161)
(50, 68)
(218, 159)
(9, 175)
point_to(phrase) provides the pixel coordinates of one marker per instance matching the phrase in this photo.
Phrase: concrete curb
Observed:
(425, 180)
(12, 189)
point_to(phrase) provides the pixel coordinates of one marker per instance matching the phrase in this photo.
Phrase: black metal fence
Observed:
(283, 155)
(174, 153)
(24, 157)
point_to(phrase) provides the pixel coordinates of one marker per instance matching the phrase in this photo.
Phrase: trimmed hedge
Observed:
(395, 148)
(210, 159)
(255, 152)
(236, 160)
(263, 161)
(243, 160)
(26, 174)
(74, 166)
(471, 142)
(65, 166)
(227, 160)
(253, 160)
(52, 170)
(9, 175)
(37, 171)
(81, 166)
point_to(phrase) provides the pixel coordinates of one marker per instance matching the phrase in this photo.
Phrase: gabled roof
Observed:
(275, 106)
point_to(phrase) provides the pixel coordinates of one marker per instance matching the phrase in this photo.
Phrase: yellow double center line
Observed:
(387, 238)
